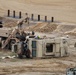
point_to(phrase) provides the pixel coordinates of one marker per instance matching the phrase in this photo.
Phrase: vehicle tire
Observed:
(28, 54)
(0, 44)
(20, 56)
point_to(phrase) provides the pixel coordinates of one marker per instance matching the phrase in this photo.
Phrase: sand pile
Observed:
(8, 22)
(43, 27)
(65, 28)
(72, 32)
(54, 28)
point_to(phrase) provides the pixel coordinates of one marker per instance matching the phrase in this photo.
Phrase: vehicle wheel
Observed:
(27, 56)
(0, 44)
(20, 56)
(28, 53)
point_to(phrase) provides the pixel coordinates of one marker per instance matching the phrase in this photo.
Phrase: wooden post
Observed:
(14, 14)
(8, 13)
(20, 14)
(26, 15)
(32, 16)
(38, 17)
(52, 19)
(45, 18)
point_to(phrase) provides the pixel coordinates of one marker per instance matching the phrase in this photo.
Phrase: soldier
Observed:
(20, 23)
(27, 18)
(33, 33)
(17, 34)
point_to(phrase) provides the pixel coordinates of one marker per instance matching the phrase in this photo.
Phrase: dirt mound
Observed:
(72, 32)
(65, 28)
(53, 27)
(43, 27)
(8, 22)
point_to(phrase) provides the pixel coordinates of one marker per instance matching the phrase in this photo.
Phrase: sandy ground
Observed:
(51, 66)
(62, 10)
